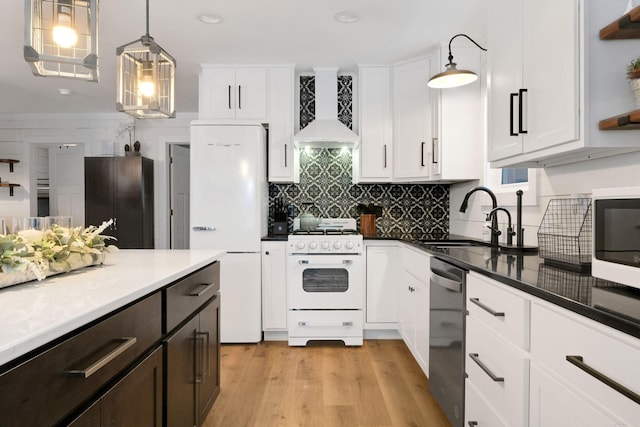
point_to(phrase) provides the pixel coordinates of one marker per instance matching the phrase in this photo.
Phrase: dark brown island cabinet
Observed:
(152, 363)
(121, 188)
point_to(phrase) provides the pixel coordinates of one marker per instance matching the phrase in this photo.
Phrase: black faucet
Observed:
(494, 204)
(510, 232)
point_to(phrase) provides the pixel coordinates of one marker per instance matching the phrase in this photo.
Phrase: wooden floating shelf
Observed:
(626, 27)
(6, 184)
(626, 121)
(11, 162)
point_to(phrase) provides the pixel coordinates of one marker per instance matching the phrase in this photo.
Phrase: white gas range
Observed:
(325, 287)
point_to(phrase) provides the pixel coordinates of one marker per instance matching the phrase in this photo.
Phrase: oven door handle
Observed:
(343, 262)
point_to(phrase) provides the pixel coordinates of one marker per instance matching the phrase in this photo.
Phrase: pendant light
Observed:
(452, 77)
(146, 79)
(61, 38)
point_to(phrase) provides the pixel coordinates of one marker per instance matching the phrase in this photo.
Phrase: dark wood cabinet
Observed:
(192, 349)
(136, 400)
(121, 188)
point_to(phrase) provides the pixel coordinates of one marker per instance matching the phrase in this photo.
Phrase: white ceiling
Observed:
(301, 32)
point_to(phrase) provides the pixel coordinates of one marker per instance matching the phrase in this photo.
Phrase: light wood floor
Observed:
(324, 384)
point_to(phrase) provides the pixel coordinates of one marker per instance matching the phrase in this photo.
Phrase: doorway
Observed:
(179, 195)
(58, 177)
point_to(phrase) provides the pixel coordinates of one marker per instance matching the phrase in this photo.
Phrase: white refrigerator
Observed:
(229, 202)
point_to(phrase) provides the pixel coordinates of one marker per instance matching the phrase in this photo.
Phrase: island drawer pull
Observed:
(579, 362)
(203, 289)
(494, 377)
(101, 363)
(486, 308)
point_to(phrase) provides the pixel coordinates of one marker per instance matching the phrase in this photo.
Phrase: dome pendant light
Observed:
(146, 79)
(61, 38)
(452, 77)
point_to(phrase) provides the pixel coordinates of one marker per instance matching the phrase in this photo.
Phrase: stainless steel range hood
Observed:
(326, 131)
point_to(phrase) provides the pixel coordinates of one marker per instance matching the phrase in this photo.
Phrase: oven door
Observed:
(325, 282)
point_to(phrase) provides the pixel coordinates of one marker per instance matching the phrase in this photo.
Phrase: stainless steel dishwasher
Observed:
(446, 338)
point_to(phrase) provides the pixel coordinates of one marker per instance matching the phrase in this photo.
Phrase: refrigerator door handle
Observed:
(203, 228)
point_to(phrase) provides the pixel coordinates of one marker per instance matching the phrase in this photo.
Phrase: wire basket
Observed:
(564, 236)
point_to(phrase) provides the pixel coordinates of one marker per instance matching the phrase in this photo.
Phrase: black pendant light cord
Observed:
(457, 35)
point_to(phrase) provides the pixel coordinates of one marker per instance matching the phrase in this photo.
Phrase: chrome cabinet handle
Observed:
(494, 377)
(204, 288)
(104, 361)
(579, 362)
(486, 308)
(203, 228)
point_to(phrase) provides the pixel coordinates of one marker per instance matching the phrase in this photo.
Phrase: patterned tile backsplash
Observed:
(326, 188)
(408, 210)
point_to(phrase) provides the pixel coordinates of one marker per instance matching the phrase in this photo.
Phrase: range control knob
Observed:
(325, 245)
(300, 245)
(313, 245)
(337, 245)
(349, 245)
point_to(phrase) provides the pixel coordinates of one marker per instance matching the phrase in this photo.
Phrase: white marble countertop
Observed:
(35, 313)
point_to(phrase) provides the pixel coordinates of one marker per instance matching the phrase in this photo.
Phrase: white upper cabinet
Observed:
(228, 92)
(376, 130)
(550, 80)
(280, 89)
(411, 121)
(457, 139)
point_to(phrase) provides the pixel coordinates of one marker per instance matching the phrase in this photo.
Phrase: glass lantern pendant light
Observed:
(61, 38)
(146, 79)
(452, 77)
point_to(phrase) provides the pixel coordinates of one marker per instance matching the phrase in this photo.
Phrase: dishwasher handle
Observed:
(438, 280)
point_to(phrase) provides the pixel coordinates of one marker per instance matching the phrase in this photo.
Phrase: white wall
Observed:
(102, 135)
(556, 182)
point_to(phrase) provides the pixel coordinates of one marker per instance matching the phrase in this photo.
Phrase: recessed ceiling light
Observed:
(208, 18)
(64, 91)
(346, 17)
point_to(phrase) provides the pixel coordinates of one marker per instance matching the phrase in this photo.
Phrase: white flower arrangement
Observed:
(37, 254)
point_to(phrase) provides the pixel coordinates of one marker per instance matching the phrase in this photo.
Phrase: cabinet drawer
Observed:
(47, 387)
(508, 390)
(309, 323)
(415, 262)
(557, 334)
(186, 296)
(504, 311)
(477, 411)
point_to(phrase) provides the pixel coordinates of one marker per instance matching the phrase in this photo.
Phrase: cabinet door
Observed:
(412, 120)
(405, 309)
(382, 274)
(506, 58)
(281, 113)
(208, 358)
(375, 124)
(217, 93)
(251, 93)
(181, 375)
(274, 286)
(551, 73)
(137, 399)
(553, 404)
(99, 189)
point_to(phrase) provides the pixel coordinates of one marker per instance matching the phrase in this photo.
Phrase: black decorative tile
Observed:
(408, 210)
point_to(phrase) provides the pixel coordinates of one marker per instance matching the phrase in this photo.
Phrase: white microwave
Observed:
(616, 235)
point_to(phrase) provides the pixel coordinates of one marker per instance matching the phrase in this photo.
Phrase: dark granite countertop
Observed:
(609, 303)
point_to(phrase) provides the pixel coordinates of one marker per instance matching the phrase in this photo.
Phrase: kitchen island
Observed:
(69, 341)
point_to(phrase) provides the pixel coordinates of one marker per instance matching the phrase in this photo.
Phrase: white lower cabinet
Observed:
(479, 413)
(581, 355)
(274, 286)
(413, 303)
(382, 275)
